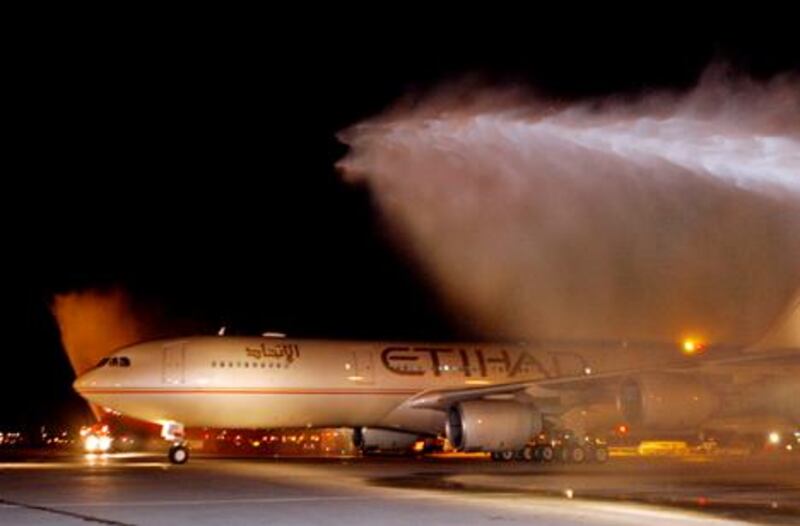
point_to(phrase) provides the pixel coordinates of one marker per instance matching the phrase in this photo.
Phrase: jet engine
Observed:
(492, 425)
(666, 402)
(372, 439)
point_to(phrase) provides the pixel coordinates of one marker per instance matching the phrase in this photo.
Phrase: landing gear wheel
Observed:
(601, 455)
(527, 454)
(507, 455)
(178, 454)
(577, 455)
(547, 453)
(495, 456)
(358, 438)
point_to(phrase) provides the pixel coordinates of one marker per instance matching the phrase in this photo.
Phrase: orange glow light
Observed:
(691, 346)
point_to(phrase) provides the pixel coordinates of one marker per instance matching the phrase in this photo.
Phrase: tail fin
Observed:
(785, 332)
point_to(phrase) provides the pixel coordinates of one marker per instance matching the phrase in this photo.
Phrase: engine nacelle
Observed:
(666, 402)
(492, 425)
(371, 439)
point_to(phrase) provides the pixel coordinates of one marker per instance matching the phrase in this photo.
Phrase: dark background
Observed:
(192, 164)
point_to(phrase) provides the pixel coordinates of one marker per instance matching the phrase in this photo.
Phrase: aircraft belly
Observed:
(255, 410)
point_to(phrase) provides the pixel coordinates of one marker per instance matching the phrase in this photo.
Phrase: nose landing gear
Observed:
(178, 453)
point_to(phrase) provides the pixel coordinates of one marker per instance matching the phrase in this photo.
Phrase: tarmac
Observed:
(125, 489)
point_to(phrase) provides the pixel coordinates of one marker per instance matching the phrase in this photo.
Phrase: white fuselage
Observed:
(274, 382)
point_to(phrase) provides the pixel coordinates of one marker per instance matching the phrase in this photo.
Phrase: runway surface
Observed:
(144, 489)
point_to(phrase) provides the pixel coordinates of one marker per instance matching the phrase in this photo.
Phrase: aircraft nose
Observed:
(84, 382)
(78, 384)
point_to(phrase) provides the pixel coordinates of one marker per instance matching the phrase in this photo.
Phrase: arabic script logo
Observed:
(281, 351)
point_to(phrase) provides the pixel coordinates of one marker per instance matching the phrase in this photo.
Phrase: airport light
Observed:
(690, 346)
(90, 443)
(104, 443)
(97, 444)
(774, 438)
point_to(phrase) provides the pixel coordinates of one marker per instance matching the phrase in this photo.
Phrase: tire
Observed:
(508, 455)
(577, 455)
(358, 438)
(547, 453)
(496, 456)
(178, 454)
(601, 455)
(527, 454)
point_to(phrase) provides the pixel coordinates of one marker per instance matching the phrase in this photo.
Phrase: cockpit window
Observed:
(116, 361)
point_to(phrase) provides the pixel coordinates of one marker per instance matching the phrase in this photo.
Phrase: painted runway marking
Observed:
(49, 509)
(260, 500)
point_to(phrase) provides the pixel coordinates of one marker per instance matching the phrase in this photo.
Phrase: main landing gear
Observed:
(562, 447)
(504, 456)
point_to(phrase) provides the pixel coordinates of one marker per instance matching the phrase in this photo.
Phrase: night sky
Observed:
(195, 169)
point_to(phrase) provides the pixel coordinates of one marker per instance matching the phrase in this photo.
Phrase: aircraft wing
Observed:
(441, 399)
(779, 349)
(540, 388)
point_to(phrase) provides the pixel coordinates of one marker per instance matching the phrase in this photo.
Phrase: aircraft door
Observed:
(173, 361)
(363, 368)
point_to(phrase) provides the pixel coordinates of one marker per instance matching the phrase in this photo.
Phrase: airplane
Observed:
(482, 397)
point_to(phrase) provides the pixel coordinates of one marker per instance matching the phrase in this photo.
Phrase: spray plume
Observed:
(94, 323)
(654, 218)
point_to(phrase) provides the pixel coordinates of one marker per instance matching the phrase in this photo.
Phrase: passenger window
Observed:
(222, 364)
(102, 362)
(113, 362)
(124, 361)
